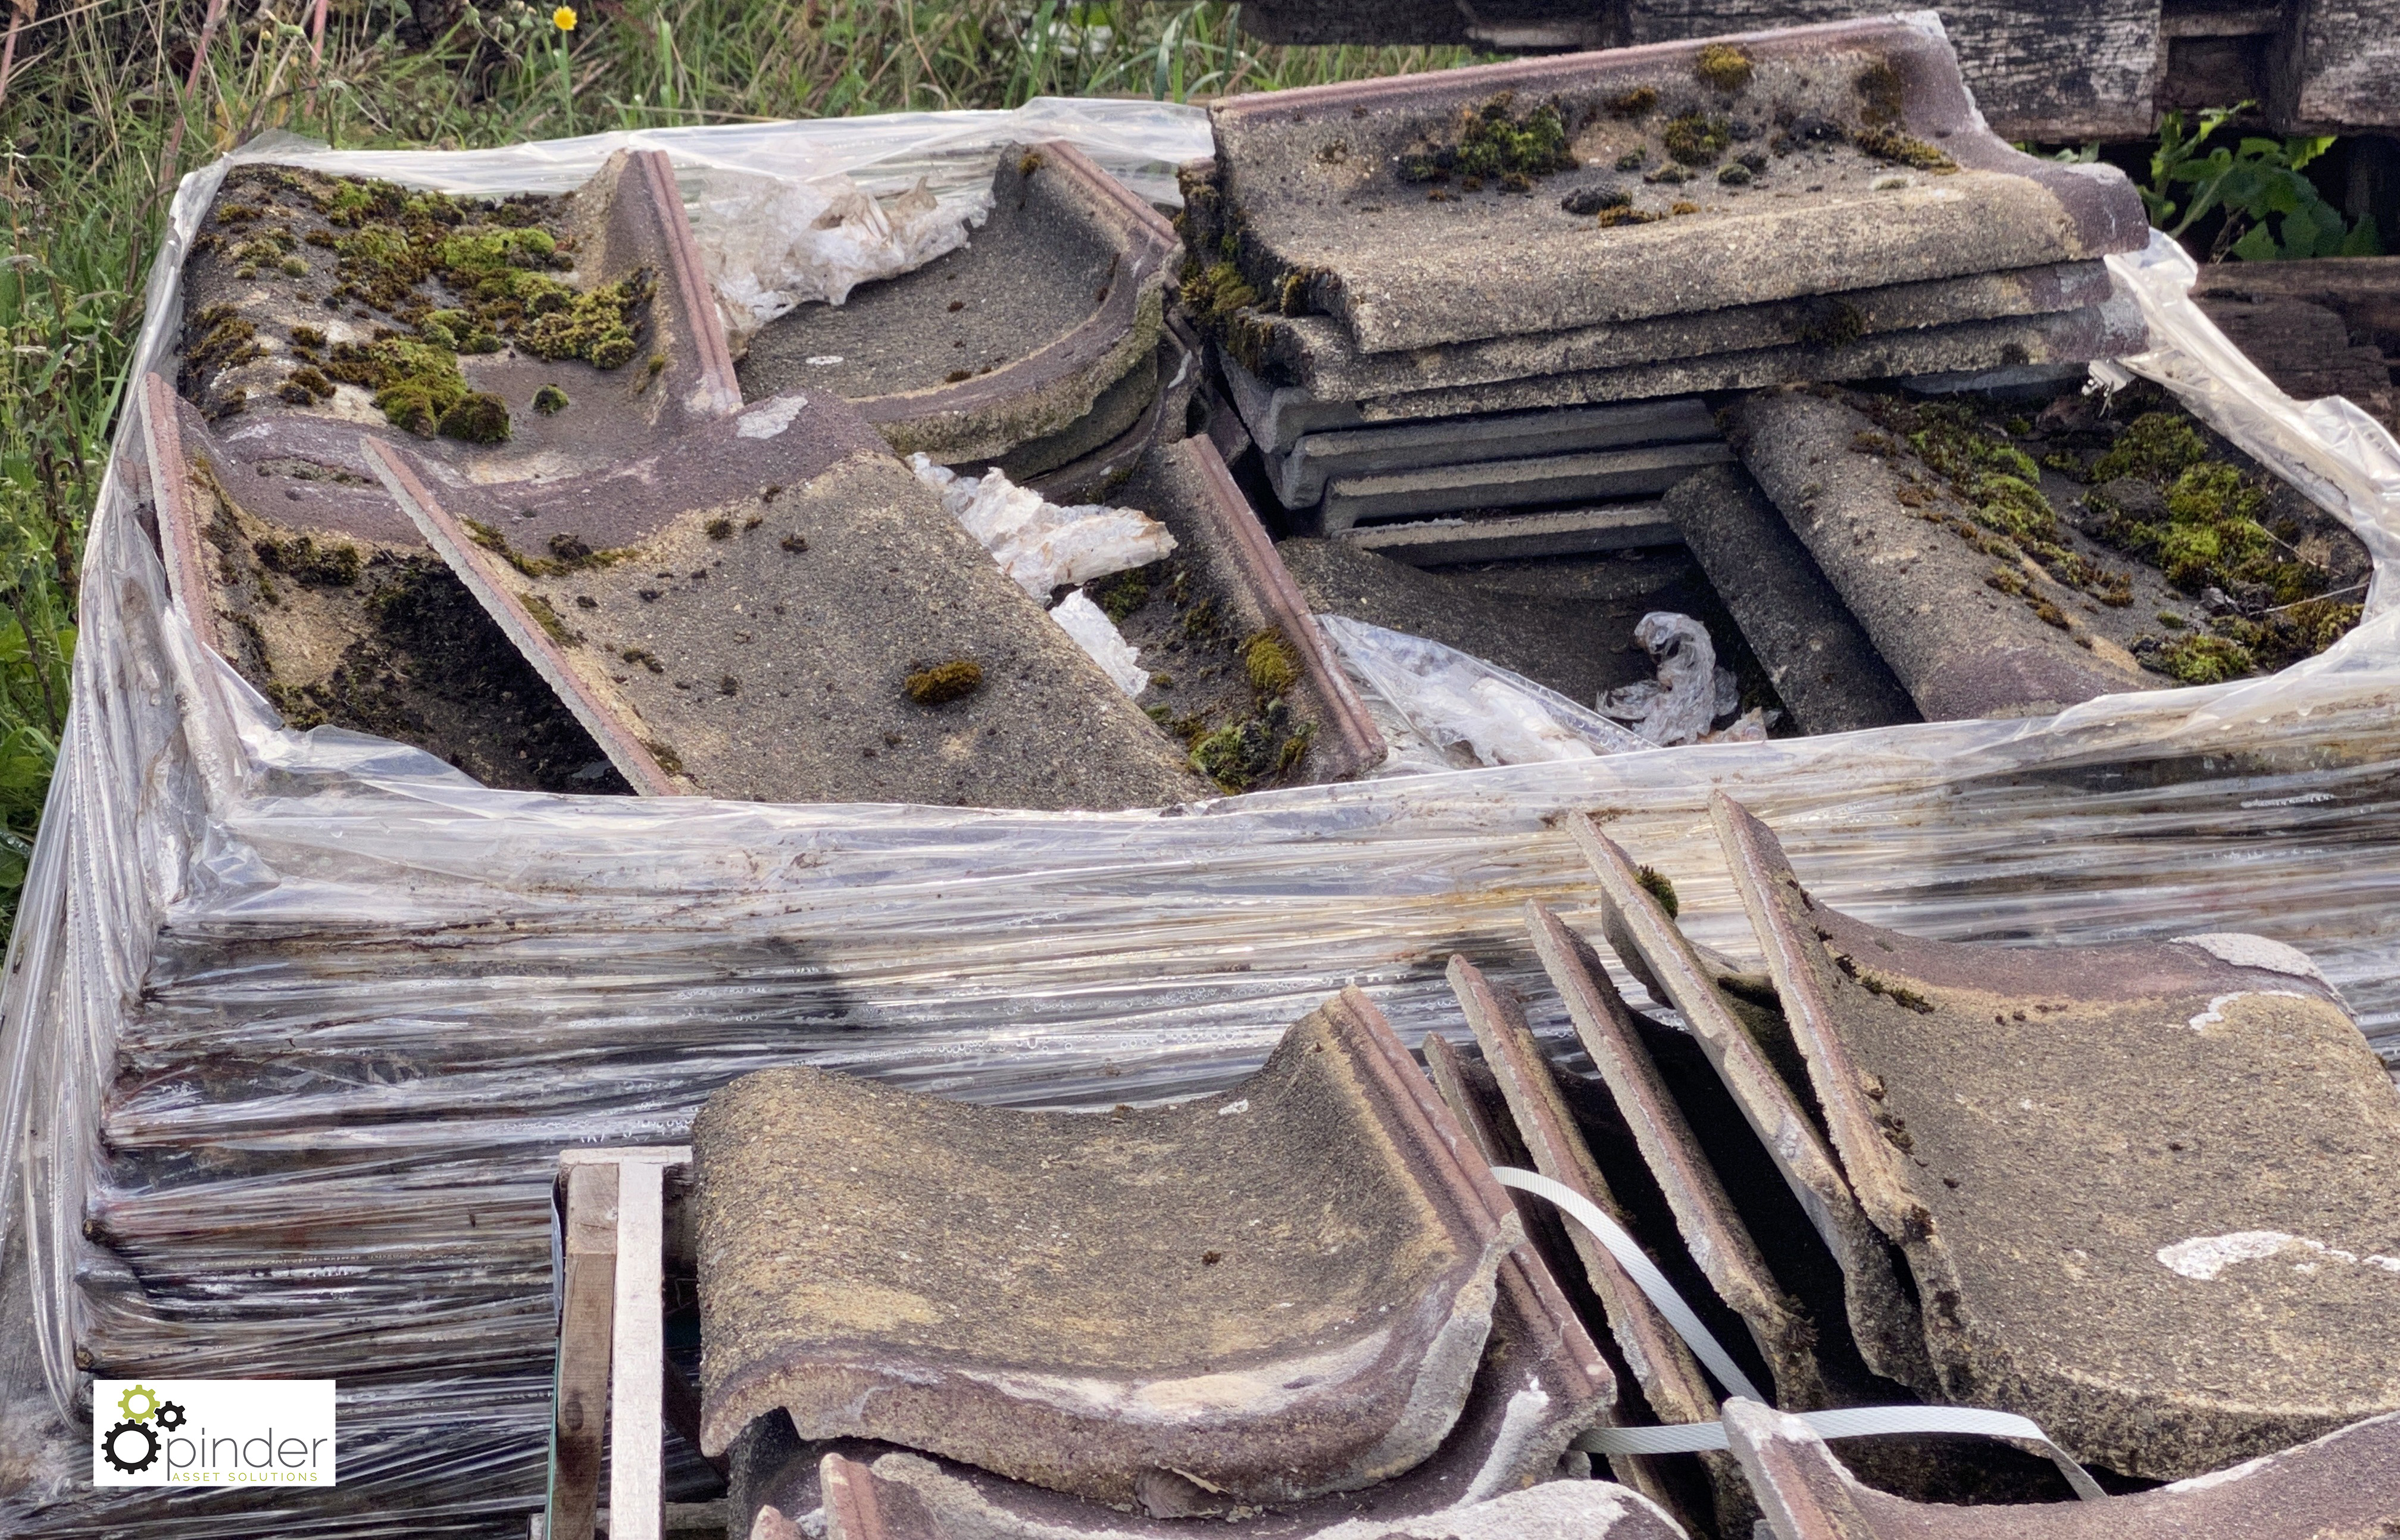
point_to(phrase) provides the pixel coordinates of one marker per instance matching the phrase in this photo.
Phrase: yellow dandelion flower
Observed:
(563, 18)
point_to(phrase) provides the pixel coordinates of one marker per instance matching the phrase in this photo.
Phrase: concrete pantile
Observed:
(1012, 338)
(2343, 1486)
(2140, 1186)
(1314, 177)
(1267, 1295)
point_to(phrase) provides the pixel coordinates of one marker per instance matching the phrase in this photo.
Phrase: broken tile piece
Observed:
(1968, 625)
(1330, 183)
(1010, 339)
(796, 619)
(1824, 669)
(1669, 1377)
(1882, 1318)
(2345, 1483)
(2176, 1147)
(907, 1497)
(1713, 1231)
(1274, 1293)
(538, 336)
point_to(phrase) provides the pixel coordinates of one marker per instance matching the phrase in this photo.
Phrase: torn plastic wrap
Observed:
(296, 1024)
(775, 244)
(1462, 704)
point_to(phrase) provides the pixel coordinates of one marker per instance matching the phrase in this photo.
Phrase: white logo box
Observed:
(213, 1432)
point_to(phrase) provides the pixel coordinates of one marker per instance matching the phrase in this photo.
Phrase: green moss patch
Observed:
(217, 339)
(1241, 755)
(1120, 596)
(945, 682)
(2155, 447)
(1654, 882)
(1697, 138)
(1881, 93)
(2205, 530)
(550, 401)
(2205, 660)
(568, 553)
(1890, 144)
(1270, 662)
(2010, 517)
(304, 561)
(497, 265)
(1724, 66)
(547, 619)
(1234, 713)
(1212, 291)
(1486, 144)
(306, 387)
(417, 387)
(1597, 200)
(596, 327)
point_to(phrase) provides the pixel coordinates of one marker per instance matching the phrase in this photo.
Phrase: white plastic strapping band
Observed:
(1854, 1422)
(1645, 1274)
(1842, 1423)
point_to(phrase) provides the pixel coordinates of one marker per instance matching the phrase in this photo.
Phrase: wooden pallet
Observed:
(621, 1216)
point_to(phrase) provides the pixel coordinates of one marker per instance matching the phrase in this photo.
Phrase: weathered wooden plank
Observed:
(2338, 68)
(636, 1420)
(2363, 291)
(1310, 22)
(2305, 350)
(2040, 69)
(580, 1399)
(2053, 70)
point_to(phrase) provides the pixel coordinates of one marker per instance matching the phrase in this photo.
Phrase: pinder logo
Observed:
(213, 1432)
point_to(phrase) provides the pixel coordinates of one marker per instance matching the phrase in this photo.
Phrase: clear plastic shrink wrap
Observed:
(296, 1024)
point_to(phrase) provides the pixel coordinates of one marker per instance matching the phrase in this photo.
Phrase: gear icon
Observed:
(171, 1415)
(130, 1428)
(148, 1398)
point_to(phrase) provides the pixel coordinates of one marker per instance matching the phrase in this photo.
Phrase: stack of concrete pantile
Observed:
(1302, 1306)
(1887, 1170)
(1040, 347)
(1508, 287)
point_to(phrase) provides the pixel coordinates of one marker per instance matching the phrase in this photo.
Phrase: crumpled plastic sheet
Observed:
(1040, 544)
(773, 243)
(1101, 641)
(1453, 699)
(295, 1025)
(1690, 690)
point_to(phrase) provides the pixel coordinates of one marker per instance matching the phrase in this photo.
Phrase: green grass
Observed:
(96, 123)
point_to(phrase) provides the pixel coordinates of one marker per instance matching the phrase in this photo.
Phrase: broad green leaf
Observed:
(2255, 245)
(2299, 151)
